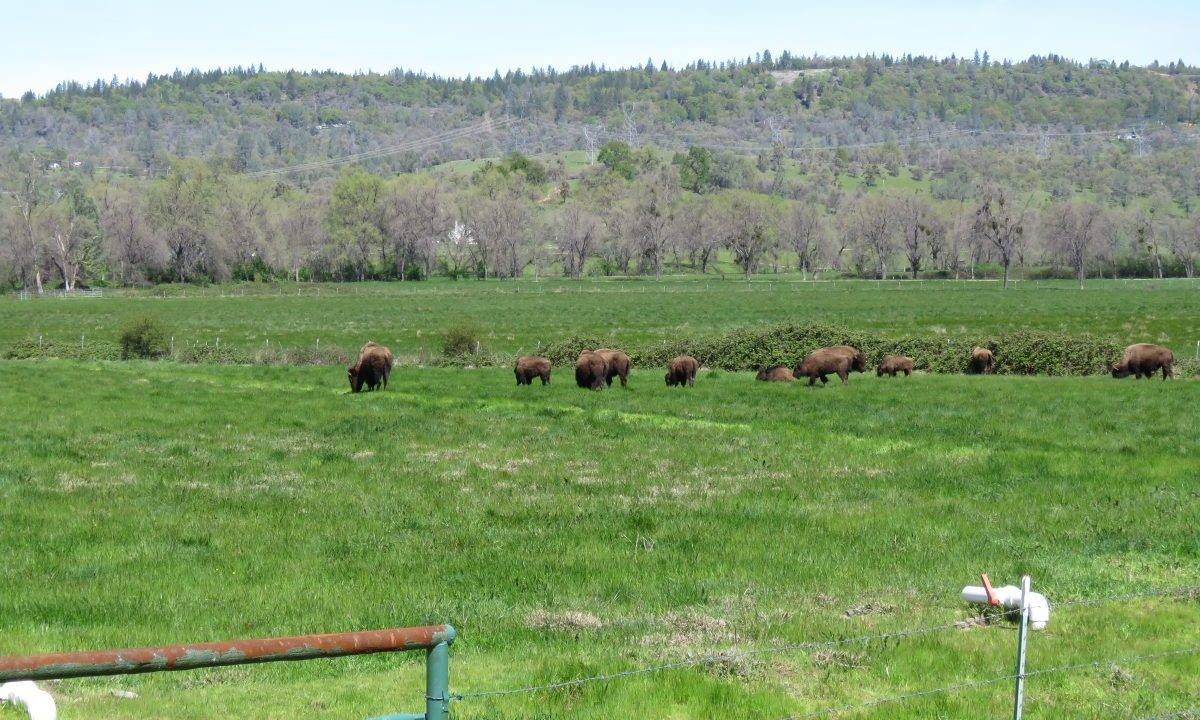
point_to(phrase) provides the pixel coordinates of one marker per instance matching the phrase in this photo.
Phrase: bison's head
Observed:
(352, 374)
(1119, 370)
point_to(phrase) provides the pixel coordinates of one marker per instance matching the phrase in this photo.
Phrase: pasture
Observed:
(567, 532)
(518, 316)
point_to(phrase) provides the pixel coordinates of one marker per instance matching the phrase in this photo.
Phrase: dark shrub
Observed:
(462, 340)
(144, 338)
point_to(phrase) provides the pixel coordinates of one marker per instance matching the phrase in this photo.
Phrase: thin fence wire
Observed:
(1188, 714)
(710, 659)
(727, 656)
(991, 681)
(1188, 593)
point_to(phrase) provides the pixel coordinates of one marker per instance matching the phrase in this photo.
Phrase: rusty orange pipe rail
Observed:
(236, 652)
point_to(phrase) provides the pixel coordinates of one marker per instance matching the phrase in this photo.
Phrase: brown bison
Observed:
(892, 364)
(826, 361)
(982, 361)
(530, 366)
(1144, 359)
(775, 373)
(373, 368)
(858, 361)
(591, 370)
(682, 371)
(618, 365)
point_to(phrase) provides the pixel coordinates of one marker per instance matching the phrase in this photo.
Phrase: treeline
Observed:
(255, 119)
(634, 211)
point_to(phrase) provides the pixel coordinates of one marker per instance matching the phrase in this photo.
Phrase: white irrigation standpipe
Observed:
(1022, 632)
(37, 702)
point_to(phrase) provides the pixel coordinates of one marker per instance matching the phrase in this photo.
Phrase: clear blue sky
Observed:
(45, 41)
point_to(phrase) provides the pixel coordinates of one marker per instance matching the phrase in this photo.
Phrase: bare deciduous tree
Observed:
(700, 230)
(1001, 223)
(921, 230)
(751, 232)
(1072, 232)
(805, 230)
(574, 233)
(872, 229)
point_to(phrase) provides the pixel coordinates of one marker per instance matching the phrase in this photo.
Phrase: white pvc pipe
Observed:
(36, 701)
(1010, 597)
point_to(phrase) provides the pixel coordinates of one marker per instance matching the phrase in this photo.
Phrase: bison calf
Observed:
(530, 366)
(982, 362)
(591, 370)
(776, 373)
(373, 368)
(682, 371)
(1143, 360)
(892, 364)
(618, 365)
(826, 361)
(858, 361)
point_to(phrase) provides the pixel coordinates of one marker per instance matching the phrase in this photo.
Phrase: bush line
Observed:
(1017, 353)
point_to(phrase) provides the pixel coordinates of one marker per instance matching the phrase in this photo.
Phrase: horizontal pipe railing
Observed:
(218, 654)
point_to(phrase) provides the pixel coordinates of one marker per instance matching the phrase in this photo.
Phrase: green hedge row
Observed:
(1017, 353)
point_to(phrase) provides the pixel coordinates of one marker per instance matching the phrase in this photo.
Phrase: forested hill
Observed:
(257, 119)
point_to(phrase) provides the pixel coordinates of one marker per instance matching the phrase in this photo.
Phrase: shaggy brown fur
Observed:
(892, 364)
(1144, 359)
(858, 361)
(826, 361)
(776, 373)
(618, 365)
(682, 371)
(373, 368)
(591, 370)
(531, 366)
(982, 362)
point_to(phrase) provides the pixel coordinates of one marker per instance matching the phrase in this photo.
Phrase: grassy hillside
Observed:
(568, 532)
(517, 316)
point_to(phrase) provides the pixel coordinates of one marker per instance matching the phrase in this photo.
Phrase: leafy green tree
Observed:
(355, 218)
(696, 170)
(618, 158)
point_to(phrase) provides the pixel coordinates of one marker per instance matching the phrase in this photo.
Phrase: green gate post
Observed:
(437, 679)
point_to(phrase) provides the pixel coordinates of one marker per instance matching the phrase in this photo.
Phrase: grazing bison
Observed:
(373, 368)
(775, 373)
(826, 361)
(1144, 359)
(682, 371)
(531, 366)
(982, 362)
(618, 365)
(591, 370)
(858, 361)
(892, 364)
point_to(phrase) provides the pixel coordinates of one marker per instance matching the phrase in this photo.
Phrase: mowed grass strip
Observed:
(568, 532)
(517, 316)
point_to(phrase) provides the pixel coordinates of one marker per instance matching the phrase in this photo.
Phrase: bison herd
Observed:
(596, 369)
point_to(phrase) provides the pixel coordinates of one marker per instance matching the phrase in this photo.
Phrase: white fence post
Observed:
(1022, 631)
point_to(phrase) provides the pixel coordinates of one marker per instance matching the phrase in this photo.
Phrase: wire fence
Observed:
(1178, 593)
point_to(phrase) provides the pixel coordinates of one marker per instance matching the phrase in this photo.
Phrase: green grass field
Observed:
(566, 532)
(517, 316)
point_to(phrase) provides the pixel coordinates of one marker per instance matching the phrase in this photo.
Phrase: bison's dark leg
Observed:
(907, 372)
(625, 379)
(843, 374)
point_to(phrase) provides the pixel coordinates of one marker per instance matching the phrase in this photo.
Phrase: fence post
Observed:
(1022, 631)
(437, 680)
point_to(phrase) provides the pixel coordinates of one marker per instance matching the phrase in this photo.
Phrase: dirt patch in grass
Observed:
(563, 621)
